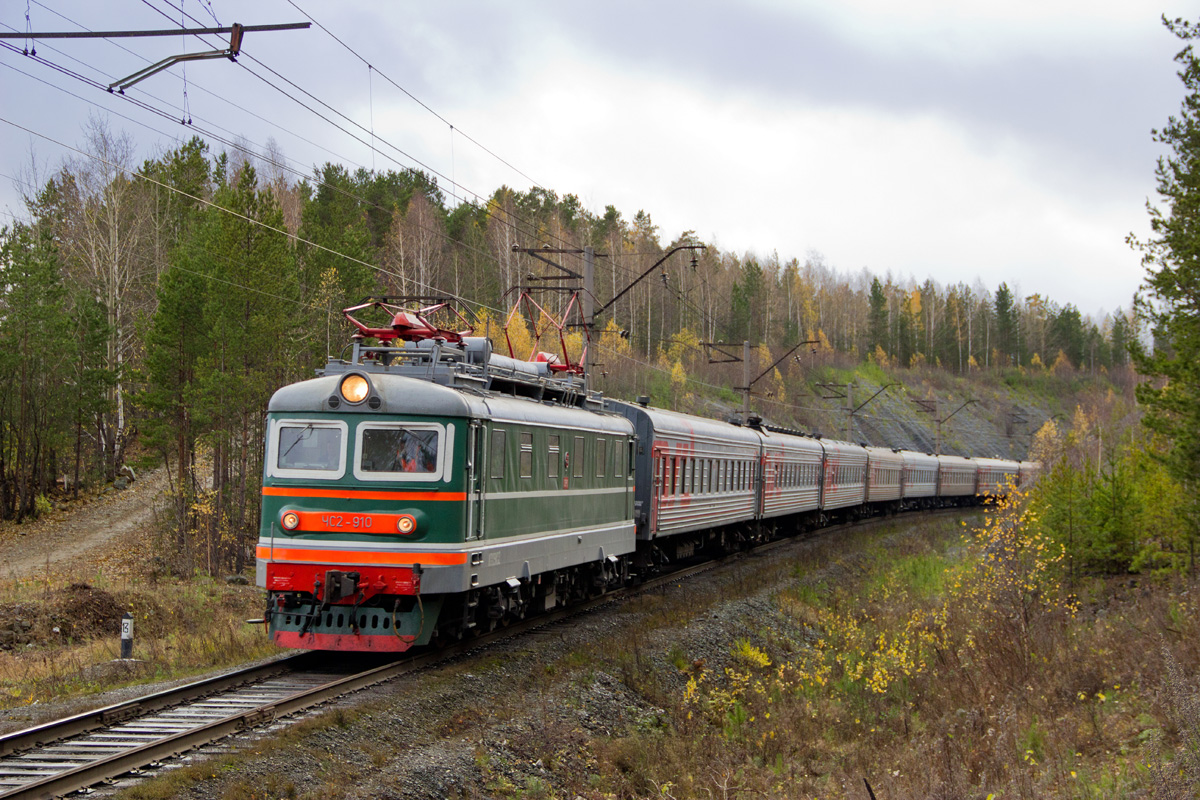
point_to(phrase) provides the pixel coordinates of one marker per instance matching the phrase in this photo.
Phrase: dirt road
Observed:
(64, 538)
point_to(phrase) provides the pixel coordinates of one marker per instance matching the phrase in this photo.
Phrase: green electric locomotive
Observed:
(426, 487)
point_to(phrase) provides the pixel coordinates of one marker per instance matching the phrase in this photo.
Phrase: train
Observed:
(426, 488)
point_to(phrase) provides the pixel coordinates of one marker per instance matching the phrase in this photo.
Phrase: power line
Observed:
(700, 312)
(281, 231)
(229, 143)
(451, 181)
(508, 219)
(369, 144)
(414, 98)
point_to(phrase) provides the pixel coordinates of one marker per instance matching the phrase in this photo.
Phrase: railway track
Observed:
(71, 754)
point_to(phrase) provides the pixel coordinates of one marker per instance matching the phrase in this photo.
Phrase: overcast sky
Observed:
(930, 138)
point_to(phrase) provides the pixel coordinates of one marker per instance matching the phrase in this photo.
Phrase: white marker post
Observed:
(127, 636)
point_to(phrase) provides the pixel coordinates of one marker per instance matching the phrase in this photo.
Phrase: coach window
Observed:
(601, 456)
(525, 461)
(497, 454)
(553, 455)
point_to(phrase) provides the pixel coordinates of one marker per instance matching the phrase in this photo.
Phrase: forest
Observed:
(153, 308)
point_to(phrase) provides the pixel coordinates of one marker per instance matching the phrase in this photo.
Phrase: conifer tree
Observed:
(1170, 296)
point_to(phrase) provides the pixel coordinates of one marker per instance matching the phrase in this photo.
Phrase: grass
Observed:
(69, 633)
(917, 665)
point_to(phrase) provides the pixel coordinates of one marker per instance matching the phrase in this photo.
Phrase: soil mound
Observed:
(79, 611)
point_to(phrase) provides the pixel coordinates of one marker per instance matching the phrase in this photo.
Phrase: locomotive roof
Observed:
(398, 394)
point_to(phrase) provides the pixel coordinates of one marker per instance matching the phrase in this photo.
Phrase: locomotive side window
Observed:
(497, 454)
(555, 455)
(525, 462)
(577, 458)
(402, 451)
(308, 449)
(601, 456)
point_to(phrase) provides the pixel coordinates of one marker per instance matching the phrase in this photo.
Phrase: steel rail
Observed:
(88, 721)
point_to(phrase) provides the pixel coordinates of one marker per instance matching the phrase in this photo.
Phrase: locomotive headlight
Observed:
(354, 388)
(406, 523)
(290, 521)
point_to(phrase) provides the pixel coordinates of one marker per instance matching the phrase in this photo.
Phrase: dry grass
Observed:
(60, 637)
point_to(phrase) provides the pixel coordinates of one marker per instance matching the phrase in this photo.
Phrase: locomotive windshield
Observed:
(309, 447)
(399, 450)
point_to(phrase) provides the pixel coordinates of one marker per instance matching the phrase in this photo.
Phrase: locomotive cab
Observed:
(364, 510)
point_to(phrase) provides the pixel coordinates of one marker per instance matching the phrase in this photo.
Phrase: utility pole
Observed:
(588, 309)
(1013, 418)
(931, 407)
(589, 298)
(850, 416)
(745, 382)
(849, 409)
(585, 307)
(945, 419)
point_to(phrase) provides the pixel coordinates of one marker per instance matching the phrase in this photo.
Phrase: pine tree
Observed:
(878, 320)
(1169, 297)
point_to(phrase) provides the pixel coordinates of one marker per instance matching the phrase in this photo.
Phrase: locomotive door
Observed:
(476, 448)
